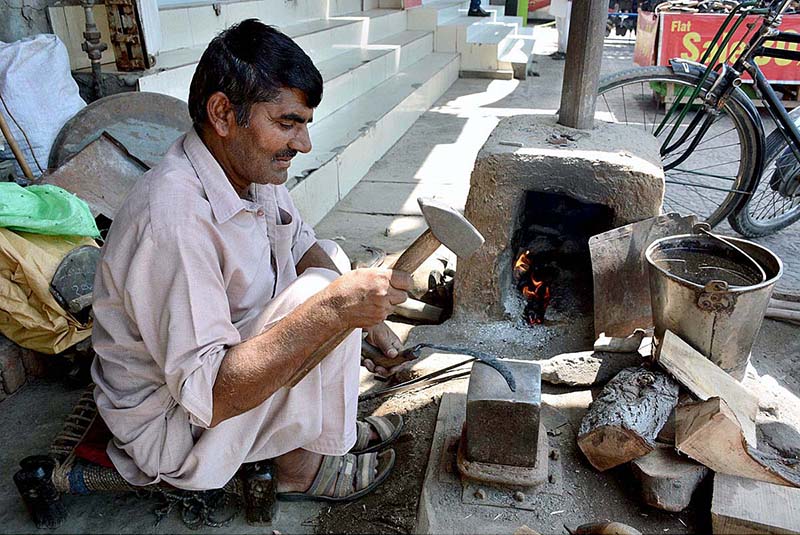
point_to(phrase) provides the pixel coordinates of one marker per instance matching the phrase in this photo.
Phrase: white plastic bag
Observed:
(37, 95)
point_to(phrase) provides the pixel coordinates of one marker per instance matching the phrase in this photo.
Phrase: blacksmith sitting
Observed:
(212, 292)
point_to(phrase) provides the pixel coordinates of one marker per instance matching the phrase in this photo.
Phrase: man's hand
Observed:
(384, 338)
(365, 297)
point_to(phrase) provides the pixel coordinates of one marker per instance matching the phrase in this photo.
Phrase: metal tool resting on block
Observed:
(503, 440)
(445, 227)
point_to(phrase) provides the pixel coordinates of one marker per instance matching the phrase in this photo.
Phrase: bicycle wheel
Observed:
(705, 176)
(775, 201)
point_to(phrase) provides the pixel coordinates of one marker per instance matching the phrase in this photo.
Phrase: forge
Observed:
(538, 192)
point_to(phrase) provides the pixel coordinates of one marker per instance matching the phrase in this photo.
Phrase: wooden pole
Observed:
(23, 164)
(582, 68)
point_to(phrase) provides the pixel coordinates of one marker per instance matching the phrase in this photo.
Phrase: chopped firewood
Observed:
(709, 433)
(705, 380)
(628, 344)
(622, 423)
(604, 528)
(746, 506)
(586, 368)
(417, 310)
(525, 530)
(668, 480)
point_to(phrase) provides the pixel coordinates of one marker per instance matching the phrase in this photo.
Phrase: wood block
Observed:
(705, 380)
(622, 423)
(709, 432)
(668, 480)
(745, 506)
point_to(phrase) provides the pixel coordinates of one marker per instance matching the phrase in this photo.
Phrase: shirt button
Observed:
(260, 212)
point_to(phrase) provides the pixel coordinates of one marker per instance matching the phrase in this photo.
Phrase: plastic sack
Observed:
(38, 95)
(45, 209)
(29, 314)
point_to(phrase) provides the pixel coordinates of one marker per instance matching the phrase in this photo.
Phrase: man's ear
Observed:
(221, 115)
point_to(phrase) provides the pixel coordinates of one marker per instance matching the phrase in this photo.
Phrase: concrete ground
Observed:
(434, 158)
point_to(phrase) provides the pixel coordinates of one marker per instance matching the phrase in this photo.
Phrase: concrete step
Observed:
(322, 39)
(348, 141)
(358, 70)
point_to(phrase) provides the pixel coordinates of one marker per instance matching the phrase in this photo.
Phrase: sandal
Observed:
(345, 478)
(388, 429)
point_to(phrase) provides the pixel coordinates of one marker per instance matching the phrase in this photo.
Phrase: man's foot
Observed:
(340, 478)
(478, 13)
(297, 470)
(376, 432)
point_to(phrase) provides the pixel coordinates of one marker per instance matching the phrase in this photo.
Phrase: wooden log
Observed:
(414, 309)
(620, 345)
(622, 423)
(705, 380)
(667, 479)
(586, 368)
(783, 314)
(783, 304)
(744, 506)
(709, 433)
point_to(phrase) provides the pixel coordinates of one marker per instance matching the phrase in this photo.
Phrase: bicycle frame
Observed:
(730, 78)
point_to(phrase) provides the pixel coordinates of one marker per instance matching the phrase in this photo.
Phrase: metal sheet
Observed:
(621, 284)
(101, 174)
(145, 123)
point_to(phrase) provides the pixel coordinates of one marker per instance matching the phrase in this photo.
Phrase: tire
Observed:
(631, 95)
(771, 208)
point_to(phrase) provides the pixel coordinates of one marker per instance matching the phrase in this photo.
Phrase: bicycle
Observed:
(718, 161)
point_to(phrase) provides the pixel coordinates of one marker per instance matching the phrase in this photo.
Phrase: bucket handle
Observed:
(705, 228)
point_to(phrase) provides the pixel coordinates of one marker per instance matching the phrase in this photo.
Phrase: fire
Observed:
(535, 291)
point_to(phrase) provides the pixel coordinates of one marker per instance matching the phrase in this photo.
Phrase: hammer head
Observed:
(450, 227)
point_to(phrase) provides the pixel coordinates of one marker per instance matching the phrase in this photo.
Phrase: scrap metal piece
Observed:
(127, 36)
(73, 282)
(146, 124)
(411, 353)
(621, 280)
(101, 174)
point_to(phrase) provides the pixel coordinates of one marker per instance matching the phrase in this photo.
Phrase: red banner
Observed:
(689, 35)
(533, 5)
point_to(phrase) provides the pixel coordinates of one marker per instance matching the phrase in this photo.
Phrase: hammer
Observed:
(445, 227)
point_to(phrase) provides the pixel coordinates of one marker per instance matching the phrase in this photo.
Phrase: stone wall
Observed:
(23, 18)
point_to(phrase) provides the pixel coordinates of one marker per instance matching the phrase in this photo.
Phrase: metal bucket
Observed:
(707, 291)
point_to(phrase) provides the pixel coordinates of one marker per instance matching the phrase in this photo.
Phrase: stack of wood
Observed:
(714, 430)
(784, 307)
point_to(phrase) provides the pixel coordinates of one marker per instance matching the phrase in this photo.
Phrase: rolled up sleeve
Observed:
(176, 295)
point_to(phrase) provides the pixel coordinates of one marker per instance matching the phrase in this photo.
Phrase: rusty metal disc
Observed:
(145, 123)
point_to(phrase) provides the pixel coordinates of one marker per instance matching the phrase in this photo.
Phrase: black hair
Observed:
(251, 62)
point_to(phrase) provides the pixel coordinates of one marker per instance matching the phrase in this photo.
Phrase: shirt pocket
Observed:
(282, 249)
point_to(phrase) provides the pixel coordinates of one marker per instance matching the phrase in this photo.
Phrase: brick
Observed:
(503, 426)
(11, 367)
(35, 363)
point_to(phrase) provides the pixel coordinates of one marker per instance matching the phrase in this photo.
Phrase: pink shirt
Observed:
(187, 270)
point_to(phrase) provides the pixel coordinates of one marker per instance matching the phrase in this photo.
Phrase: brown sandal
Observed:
(345, 478)
(388, 428)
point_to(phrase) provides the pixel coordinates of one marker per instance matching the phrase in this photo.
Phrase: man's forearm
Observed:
(254, 370)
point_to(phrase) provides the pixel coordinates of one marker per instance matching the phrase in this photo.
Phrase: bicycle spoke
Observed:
(707, 175)
(624, 107)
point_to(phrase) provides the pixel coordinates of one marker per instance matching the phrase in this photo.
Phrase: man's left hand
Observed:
(382, 337)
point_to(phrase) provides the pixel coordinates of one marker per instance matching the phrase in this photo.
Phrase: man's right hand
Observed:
(365, 297)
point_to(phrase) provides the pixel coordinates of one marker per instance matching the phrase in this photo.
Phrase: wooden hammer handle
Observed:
(409, 261)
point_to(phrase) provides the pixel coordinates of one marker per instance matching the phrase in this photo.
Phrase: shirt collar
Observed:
(224, 201)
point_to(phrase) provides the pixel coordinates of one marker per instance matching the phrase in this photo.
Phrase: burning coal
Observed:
(533, 288)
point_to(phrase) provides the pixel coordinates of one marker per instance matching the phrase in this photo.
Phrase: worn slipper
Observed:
(345, 478)
(387, 428)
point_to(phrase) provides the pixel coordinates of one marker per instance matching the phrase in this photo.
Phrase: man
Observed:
(562, 11)
(475, 9)
(211, 293)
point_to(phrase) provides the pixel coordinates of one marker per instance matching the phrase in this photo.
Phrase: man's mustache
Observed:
(288, 153)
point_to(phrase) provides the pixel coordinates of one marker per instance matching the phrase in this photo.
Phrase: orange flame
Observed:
(535, 291)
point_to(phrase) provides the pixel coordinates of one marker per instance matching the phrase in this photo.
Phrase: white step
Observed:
(321, 39)
(517, 56)
(432, 14)
(347, 142)
(358, 70)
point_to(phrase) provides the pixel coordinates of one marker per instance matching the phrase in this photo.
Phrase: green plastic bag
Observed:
(45, 209)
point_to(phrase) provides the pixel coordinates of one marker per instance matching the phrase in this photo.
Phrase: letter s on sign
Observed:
(689, 43)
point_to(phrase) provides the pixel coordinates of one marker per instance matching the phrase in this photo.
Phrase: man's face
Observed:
(262, 152)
